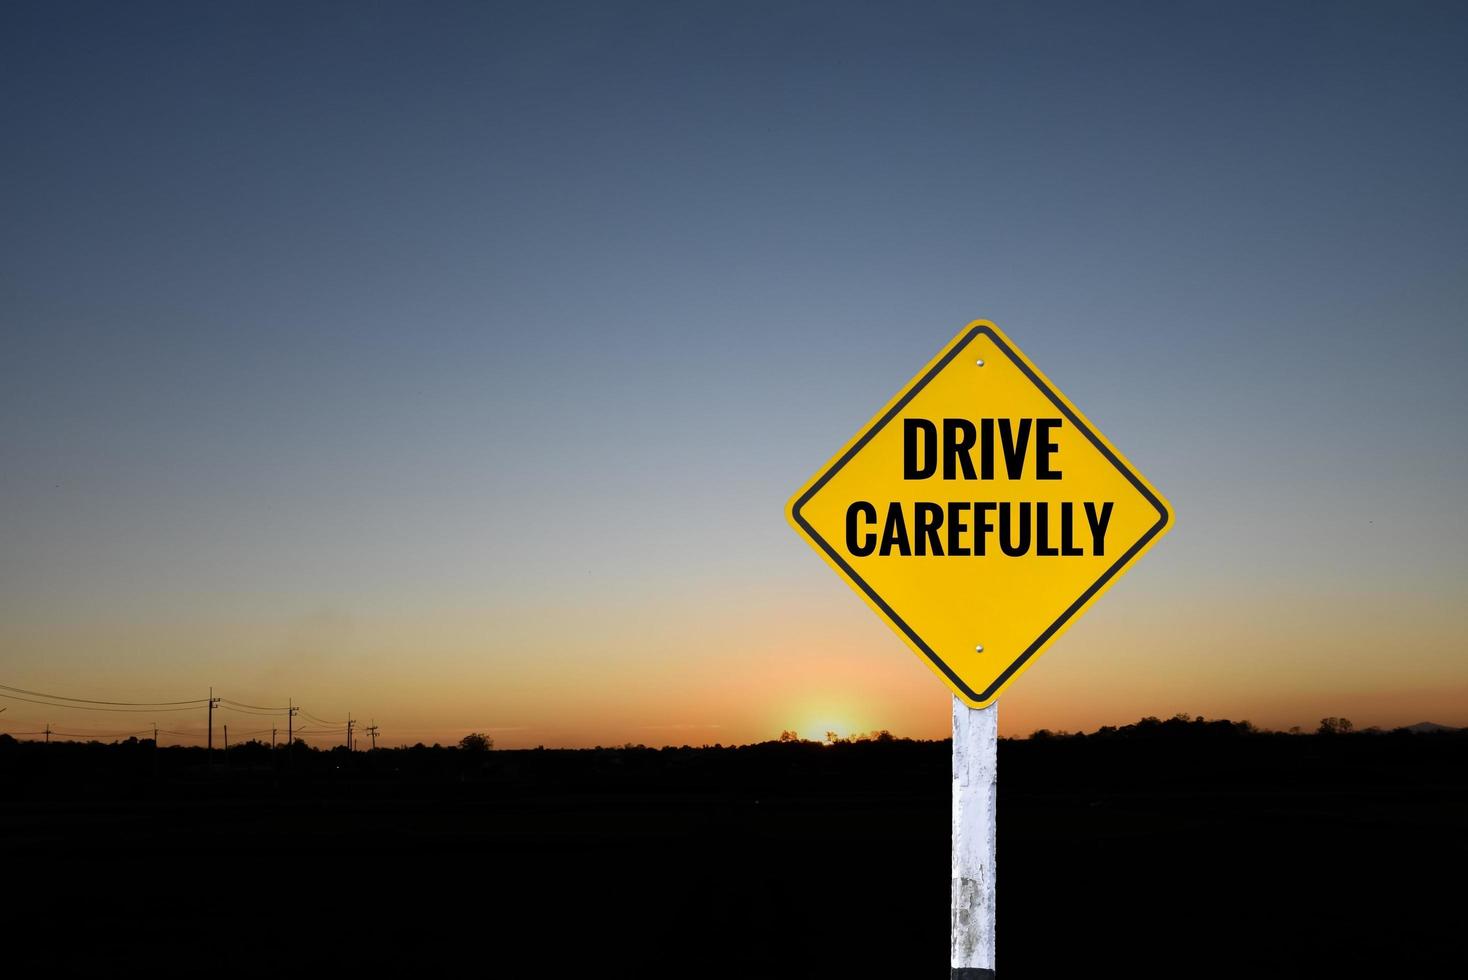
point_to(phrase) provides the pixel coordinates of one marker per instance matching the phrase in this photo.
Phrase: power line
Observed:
(94, 735)
(255, 707)
(85, 707)
(332, 729)
(228, 706)
(62, 697)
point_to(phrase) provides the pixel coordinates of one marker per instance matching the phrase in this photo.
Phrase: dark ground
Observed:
(1155, 852)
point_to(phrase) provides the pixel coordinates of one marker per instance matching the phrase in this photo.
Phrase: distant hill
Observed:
(1423, 727)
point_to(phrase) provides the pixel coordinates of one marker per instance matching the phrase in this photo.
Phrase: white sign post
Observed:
(975, 800)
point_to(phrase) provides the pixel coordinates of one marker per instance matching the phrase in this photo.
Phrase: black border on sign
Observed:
(1152, 498)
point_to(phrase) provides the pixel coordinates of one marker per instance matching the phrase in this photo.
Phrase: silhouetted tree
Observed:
(789, 736)
(1334, 726)
(476, 742)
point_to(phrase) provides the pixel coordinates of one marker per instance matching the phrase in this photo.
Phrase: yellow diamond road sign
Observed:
(979, 513)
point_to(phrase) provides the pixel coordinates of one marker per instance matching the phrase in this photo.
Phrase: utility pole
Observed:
(226, 743)
(155, 750)
(350, 723)
(272, 739)
(48, 733)
(372, 730)
(290, 718)
(212, 702)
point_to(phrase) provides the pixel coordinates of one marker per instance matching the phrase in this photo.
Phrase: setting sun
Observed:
(826, 729)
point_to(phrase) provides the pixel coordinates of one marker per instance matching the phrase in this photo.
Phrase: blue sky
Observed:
(387, 314)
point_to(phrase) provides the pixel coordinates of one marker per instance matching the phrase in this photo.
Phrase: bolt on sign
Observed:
(979, 513)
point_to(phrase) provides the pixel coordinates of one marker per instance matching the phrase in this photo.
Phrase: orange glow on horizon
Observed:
(811, 661)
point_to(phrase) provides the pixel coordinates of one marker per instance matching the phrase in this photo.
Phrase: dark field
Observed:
(1177, 851)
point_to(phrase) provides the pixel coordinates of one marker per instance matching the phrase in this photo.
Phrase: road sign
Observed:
(979, 513)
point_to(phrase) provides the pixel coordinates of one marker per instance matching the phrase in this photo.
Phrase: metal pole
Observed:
(975, 799)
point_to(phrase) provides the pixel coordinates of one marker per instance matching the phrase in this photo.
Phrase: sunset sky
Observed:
(451, 365)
